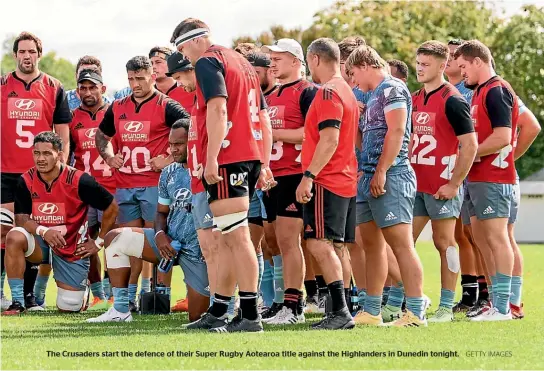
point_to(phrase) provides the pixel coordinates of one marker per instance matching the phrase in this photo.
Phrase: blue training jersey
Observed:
(74, 101)
(175, 192)
(389, 95)
(120, 94)
(465, 92)
(362, 97)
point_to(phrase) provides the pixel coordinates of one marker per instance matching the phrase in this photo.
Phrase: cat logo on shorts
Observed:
(236, 180)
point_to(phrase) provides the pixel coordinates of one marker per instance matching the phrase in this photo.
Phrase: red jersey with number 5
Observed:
(497, 167)
(435, 144)
(82, 133)
(59, 207)
(285, 113)
(27, 110)
(141, 134)
(243, 140)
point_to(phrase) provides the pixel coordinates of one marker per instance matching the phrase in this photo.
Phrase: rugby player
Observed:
(387, 187)
(138, 126)
(235, 143)
(85, 121)
(288, 106)
(33, 102)
(173, 225)
(329, 184)
(183, 72)
(83, 63)
(441, 124)
(495, 112)
(356, 251)
(399, 69)
(51, 203)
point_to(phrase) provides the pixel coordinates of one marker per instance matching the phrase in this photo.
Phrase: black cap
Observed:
(92, 76)
(259, 59)
(177, 63)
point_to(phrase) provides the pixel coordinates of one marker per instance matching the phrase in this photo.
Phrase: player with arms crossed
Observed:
(235, 141)
(440, 123)
(387, 187)
(31, 102)
(495, 111)
(138, 126)
(173, 225)
(329, 185)
(51, 203)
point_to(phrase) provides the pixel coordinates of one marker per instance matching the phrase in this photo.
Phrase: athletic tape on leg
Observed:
(125, 244)
(230, 222)
(70, 300)
(31, 243)
(7, 217)
(452, 257)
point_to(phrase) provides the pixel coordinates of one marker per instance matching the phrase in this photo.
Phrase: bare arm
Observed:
(63, 131)
(109, 217)
(267, 136)
(328, 142)
(499, 139)
(467, 153)
(103, 145)
(293, 136)
(216, 125)
(396, 125)
(161, 217)
(529, 128)
(24, 220)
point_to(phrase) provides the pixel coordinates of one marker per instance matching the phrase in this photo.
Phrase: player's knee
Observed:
(16, 239)
(111, 235)
(230, 222)
(127, 243)
(70, 301)
(442, 243)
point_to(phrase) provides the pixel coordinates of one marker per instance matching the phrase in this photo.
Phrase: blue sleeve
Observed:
(394, 99)
(164, 198)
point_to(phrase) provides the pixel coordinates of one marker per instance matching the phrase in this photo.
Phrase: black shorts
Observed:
(329, 216)
(282, 199)
(239, 180)
(9, 184)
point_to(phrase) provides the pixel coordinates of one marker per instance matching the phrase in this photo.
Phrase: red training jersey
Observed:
(435, 147)
(334, 106)
(284, 109)
(183, 97)
(239, 84)
(59, 207)
(82, 133)
(498, 167)
(140, 132)
(195, 151)
(27, 110)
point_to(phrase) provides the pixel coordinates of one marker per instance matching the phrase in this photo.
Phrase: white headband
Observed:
(190, 35)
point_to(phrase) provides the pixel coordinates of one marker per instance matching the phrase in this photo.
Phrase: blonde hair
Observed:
(364, 55)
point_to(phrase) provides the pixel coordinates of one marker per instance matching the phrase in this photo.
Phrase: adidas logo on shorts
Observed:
(488, 210)
(443, 210)
(291, 207)
(207, 218)
(390, 216)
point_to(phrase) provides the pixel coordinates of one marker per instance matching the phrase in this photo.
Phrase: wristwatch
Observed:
(308, 174)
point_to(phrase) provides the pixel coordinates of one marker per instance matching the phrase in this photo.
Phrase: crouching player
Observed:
(51, 203)
(173, 225)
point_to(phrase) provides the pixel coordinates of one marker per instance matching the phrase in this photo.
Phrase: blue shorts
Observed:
(426, 205)
(490, 200)
(74, 274)
(256, 206)
(137, 203)
(202, 214)
(514, 206)
(396, 206)
(195, 270)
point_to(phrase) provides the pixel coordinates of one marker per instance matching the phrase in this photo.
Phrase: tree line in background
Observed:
(395, 29)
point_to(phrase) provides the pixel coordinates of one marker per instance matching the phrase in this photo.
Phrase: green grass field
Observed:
(26, 340)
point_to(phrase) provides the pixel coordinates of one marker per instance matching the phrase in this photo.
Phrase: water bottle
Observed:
(354, 299)
(166, 264)
(160, 289)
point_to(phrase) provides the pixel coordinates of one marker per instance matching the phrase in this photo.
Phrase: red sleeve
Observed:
(330, 110)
